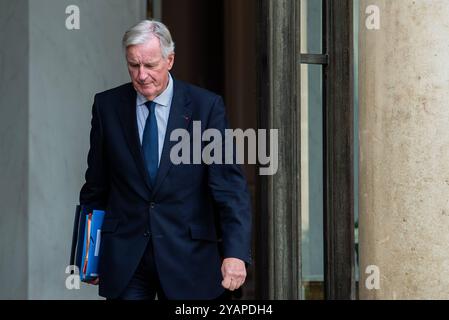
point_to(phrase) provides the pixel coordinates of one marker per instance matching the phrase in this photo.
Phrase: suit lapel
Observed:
(180, 118)
(128, 118)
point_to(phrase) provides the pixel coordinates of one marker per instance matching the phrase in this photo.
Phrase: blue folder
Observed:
(86, 242)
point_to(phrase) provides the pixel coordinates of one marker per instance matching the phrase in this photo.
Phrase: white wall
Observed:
(66, 68)
(13, 148)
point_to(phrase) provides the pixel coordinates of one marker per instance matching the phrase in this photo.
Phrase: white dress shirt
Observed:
(162, 111)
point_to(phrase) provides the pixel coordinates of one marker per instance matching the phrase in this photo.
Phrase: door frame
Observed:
(278, 219)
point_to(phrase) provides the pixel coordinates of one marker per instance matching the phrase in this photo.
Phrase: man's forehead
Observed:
(142, 59)
(143, 56)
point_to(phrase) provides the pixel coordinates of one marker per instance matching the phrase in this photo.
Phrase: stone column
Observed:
(404, 149)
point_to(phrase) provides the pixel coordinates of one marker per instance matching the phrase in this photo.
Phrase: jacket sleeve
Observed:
(229, 191)
(94, 192)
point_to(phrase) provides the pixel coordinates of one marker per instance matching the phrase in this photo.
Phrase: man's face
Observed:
(148, 69)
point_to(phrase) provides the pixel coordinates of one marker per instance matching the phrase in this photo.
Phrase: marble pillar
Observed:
(404, 150)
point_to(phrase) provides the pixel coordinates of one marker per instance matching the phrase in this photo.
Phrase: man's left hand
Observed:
(234, 273)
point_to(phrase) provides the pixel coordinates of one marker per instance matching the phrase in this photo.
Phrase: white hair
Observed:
(145, 31)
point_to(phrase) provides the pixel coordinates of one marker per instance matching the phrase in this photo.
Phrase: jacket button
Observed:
(152, 205)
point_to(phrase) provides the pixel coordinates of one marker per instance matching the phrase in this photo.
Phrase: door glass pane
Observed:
(311, 26)
(312, 182)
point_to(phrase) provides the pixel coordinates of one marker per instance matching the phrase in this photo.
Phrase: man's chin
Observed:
(146, 93)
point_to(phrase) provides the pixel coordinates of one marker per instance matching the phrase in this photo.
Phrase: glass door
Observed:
(327, 142)
(312, 240)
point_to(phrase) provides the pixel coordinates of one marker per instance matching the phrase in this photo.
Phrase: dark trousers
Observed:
(145, 285)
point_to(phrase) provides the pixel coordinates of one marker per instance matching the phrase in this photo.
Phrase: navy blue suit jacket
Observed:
(196, 214)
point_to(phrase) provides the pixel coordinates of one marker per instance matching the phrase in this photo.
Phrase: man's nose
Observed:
(142, 74)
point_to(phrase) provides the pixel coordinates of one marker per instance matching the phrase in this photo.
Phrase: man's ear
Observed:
(171, 61)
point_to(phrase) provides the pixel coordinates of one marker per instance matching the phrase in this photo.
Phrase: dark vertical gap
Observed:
(211, 33)
(261, 221)
(197, 29)
(150, 13)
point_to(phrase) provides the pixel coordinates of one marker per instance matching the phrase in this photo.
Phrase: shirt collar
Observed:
(164, 99)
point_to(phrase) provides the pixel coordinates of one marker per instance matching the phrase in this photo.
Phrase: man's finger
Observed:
(226, 282)
(233, 285)
(240, 283)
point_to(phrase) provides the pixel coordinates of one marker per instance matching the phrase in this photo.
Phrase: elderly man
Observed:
(175, 231)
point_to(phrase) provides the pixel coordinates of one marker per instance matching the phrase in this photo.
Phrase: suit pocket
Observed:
(109, 225)
(200, 232)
